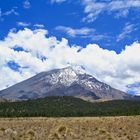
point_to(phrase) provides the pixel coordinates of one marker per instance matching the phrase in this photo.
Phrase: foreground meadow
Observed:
(86, 128)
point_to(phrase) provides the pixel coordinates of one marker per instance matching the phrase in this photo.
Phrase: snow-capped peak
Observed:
(66, 76)
(69, 81)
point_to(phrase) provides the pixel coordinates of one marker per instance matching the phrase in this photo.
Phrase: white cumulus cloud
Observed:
(41, 53)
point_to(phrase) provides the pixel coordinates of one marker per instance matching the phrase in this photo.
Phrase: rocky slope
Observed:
(68, 81)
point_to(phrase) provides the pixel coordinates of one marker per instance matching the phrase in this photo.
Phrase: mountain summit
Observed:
(69, 81)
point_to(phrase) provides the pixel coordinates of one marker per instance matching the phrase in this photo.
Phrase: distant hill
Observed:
(68, 107)
(68, 81)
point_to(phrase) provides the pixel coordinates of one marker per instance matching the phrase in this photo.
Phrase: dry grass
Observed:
(104, 128)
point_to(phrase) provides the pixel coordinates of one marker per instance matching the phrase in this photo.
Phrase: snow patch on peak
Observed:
(65, 76)
(79, 69)
(76, 68)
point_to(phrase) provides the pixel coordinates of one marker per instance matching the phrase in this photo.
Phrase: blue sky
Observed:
(107, 26)
(43, 29)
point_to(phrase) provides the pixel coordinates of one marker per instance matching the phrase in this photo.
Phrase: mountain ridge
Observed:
(67, 81)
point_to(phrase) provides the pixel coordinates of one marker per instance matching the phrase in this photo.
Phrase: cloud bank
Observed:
(28, 52)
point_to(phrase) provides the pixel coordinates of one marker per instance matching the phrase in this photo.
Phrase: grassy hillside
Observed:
(68, 107)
